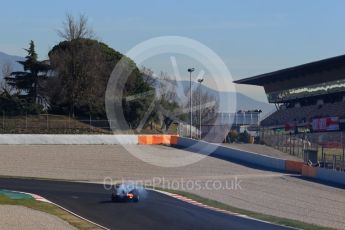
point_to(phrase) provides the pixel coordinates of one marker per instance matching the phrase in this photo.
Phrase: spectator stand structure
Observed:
(310, 117)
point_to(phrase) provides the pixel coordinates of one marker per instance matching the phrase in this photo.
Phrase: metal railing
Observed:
(326, 149)
(47, 123)
(60, 124)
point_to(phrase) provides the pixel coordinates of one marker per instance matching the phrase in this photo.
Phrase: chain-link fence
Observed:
(324, 149)
(209, 133)
(47, 123)
(60, 124)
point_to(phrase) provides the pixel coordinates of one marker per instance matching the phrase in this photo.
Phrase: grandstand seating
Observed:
(304, 113)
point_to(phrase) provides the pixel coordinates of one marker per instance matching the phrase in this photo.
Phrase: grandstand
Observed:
(310, 115)
(305, 114)
(309, 96)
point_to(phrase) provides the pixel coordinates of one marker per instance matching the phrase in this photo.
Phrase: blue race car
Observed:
(124, 192)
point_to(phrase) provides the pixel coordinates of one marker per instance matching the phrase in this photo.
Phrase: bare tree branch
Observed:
(6, 72)
(75, 28)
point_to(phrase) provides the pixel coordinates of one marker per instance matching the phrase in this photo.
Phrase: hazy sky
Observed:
(250, 36)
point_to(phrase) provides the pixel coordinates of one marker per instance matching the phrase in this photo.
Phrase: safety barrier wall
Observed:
(294, 166)
(48, 139)
(330, 175)
(157, 139)
(201, 147)
(230, 153)
(327, 175)
(308, 171)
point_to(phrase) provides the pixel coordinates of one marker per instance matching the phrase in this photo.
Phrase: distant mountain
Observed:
(243, 102)
(12, 60)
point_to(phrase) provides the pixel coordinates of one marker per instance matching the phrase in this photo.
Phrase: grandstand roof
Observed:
(300, 75)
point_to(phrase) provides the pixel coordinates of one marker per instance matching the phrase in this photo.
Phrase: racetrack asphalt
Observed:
(154, 211)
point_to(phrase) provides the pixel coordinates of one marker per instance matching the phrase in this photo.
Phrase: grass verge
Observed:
(259, 216)
(50, 209)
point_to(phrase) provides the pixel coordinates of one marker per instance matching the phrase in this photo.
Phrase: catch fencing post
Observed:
(298, 144)
(343, 165)
(286, 143)
(323, 157)
(3, 120)
(262, 139)
(278, 140)
(290, 143)
(283, 141)
(90, 122)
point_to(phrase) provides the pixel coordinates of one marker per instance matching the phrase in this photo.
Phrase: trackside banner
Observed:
(325, 124)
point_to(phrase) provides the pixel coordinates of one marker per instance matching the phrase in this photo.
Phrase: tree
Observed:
(79, 80)
(82, 70)
(6, 73)
(83, 66)
(27, 82)
(11, 102)
(173, 99)
(209, 106)
(6, 69)
(68, 57)
(167, 108)
(75, 28)
(73, 59)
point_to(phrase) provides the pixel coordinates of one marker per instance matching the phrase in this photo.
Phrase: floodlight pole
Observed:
(200, 81)
(190, 70)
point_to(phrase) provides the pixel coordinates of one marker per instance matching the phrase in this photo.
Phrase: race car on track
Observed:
(124, 192)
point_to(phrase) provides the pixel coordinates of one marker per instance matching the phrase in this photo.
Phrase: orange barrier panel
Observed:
(165, 139)
(308, 171)
(294, 166)
(173, 140)
(144, 140)
(149, 140)
(141, 140)
(157, 139)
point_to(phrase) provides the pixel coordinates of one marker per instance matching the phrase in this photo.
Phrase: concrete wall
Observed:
(330, 176)
(217, 150)
(230, 153)
(47, 139)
